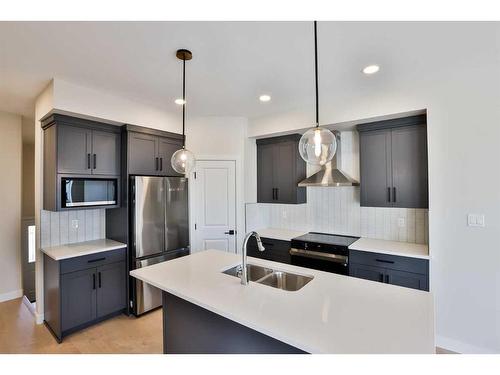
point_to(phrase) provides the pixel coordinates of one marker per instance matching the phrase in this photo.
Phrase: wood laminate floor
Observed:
(122, 334)
(119, 335)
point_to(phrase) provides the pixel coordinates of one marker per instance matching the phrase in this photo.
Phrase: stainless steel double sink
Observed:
(274, 278)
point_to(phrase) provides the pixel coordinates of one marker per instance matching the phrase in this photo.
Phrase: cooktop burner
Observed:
(328, 239)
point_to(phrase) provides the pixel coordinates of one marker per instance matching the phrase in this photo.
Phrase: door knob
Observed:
(231, 232)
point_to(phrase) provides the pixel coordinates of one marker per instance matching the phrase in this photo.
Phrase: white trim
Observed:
(240, 195)
(29, 305)
(39, 318)
(11, 295)
(461, 347)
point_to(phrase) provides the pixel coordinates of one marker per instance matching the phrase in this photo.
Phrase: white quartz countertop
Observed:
(391, 247)
(279, 234)
(77, 249)
(330, 314)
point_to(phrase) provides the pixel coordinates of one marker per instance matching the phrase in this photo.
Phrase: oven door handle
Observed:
(317, 255)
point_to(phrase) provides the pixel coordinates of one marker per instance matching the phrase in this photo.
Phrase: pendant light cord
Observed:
(184, 102)
(316, 72)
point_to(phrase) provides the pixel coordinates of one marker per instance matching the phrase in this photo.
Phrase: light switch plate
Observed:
(74, 224)
(475, 220)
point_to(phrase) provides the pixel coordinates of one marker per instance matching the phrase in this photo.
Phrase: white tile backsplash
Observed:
(337, 210)
(57, 229)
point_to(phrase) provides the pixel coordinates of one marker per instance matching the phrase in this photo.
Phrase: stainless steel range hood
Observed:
(330, 174)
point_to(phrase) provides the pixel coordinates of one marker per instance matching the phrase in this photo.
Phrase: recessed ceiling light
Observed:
(180, 101)
(265, 98)
(371, 69)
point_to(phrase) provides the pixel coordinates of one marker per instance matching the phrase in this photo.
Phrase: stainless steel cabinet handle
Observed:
(156, 164)
(161, 164)
(99, 279)
(388, 194)
(95, 161)
(88, 161)
(394, 194)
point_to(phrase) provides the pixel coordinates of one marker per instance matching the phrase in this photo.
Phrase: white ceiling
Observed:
(234, 62)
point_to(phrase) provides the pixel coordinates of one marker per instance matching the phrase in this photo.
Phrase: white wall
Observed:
(222, 138)
(10, 212)
(464, 177)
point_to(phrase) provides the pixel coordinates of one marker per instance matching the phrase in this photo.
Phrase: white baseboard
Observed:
(11, 295)
(39, 318)
(461, 347)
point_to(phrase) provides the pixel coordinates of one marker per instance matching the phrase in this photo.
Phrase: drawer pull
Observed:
(96, 260)
(385, 261)
(93, 280)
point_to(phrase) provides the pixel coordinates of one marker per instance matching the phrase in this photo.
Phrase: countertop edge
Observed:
(103, 249)
(227, 315)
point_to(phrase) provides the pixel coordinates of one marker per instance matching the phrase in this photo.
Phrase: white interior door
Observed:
(214, 193)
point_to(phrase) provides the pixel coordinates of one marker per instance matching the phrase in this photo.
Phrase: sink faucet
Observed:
(244, 273)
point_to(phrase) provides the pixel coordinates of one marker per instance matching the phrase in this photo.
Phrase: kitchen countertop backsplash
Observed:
(337, 210)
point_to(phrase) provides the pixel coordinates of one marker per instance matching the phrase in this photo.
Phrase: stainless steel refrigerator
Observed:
(160, 230)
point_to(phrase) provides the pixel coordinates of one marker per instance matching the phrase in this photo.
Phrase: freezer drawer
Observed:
(148, 297)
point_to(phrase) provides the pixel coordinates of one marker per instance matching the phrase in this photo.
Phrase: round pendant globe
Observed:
(317, 146)
(183, 161)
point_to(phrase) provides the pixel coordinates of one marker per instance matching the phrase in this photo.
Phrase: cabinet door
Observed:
(409, 167)
(105, 153)
(166, 148)
(142, 154)
(284, 172)
(265, 173)
(78, 298)
(406, 279)
(375, 167)
(73, 150)
(111, 288)
(366, 272)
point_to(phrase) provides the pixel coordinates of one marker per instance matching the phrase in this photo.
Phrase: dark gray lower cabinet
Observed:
(390, 269)
(84, 290)
(276, 250)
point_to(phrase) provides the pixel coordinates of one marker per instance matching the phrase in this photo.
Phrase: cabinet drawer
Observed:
(276, 250)
(394, 262)
(93, 260)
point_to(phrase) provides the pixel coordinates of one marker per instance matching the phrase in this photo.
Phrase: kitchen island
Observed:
(207, 311)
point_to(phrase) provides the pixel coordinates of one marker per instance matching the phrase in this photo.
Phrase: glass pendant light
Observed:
(317, 146)
(183, 160)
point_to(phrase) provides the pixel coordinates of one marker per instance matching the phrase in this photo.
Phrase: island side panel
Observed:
(191, 329)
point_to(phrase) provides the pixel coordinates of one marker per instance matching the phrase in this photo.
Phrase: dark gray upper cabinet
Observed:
(393, 163)
(74, 150)
(150, 153)
(142, 154)
(166, 148)
(105, 153)
(74, 147)
(279, 169)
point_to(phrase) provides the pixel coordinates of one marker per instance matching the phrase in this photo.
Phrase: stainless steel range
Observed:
(321, 251)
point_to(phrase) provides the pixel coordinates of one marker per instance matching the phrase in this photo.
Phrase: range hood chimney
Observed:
(330, 174)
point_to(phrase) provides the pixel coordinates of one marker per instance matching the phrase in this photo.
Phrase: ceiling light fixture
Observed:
(371, 69)
(265, 98)
(179, 101)
(183, 160)
(317, 146)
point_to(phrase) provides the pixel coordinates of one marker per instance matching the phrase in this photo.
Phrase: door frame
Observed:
(240, 229)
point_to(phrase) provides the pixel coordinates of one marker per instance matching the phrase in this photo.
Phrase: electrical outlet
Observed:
(284, 214)
(475, 220)
(401, 222)
(74, 224)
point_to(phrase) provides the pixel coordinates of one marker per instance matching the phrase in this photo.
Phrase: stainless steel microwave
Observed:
(88, 192)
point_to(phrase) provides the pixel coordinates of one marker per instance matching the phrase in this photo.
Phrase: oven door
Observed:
(86, 192)
(320, 261)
